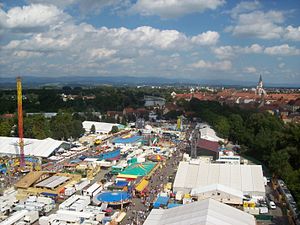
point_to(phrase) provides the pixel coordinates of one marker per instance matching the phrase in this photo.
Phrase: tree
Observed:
(222, 126)
(77, 130)
(279, 163)
(114, 129)
(5, 127)
(237, 128)
(61, 125)
(93, 129)
(36, 126)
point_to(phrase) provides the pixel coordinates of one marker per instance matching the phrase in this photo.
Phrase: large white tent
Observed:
(208, 133)
(220, 193)
(33, 147)
(205, 212)
(100, 127)
(245, 178)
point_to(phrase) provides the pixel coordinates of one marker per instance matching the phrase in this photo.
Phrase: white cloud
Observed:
(102, 53)
(206, 38)
(250, 22)
(41, 43)
(243, 7)
(27, 54)
(83, 49)
(31, 18)
(255, 48)
(226, 52)
(174, 8)
(58, 3)
(220, 65)
(264, 25)
(292, 33)
(284, 50)
(250, 69)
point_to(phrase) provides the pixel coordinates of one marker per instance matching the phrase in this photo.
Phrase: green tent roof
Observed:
(139, 169)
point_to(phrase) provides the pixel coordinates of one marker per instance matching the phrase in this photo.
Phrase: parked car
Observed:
(272, 205)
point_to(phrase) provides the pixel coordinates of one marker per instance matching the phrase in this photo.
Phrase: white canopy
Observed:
(245, 178)
(33, 147)
(100, 127)
(205, 212)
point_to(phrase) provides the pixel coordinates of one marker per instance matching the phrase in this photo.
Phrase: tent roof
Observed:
(100, 127)
(206, 212)
(127, 140)
(33, 147)
(218, 187)
(139, 169)
(209, 145)
(245, 178)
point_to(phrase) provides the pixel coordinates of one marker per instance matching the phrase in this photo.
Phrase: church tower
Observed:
(259, 88)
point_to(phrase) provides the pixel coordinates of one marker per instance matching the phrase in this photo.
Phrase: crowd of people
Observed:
(140, 207)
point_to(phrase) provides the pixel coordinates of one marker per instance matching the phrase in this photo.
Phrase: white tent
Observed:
(208, 133)
(220, 193)
(205, 212)
(246, 178)
(33, 147)
(100, 127)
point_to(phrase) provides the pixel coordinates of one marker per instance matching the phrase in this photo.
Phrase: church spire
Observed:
(259, 88)
(260, 78)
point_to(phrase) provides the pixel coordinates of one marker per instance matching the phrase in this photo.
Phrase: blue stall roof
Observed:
(172, 205)
(83, 157)
(49, 194)
(75, 161)
(161, 201)
(121, 183)
(115, 154)
(133, 139)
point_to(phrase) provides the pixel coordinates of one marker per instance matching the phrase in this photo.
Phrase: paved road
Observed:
(138, 211)
(278, 217)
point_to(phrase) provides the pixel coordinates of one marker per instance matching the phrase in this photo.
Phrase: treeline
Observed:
(106, 98)
(261, 135)
(61, 127)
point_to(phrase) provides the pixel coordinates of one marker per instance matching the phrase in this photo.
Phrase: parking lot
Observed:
(278, 217)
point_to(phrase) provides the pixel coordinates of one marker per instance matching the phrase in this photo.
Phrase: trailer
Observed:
(93, 190)
(82, 184)
(31, 217)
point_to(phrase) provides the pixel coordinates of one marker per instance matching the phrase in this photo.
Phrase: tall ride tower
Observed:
(20, 122)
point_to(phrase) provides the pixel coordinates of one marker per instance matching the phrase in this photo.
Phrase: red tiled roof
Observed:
(7, 116)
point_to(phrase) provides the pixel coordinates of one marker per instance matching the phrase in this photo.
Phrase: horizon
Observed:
(94, 81)
(235, 41)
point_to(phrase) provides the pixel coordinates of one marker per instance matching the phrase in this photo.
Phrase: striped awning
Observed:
(127, 176)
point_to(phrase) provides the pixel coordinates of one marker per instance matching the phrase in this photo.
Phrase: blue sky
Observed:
(190, 39)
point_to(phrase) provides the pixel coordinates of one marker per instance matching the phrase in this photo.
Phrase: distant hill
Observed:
(36, 82)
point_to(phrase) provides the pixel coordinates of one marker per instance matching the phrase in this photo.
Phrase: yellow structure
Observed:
(35, 183)
(91, 169)
(97, 142)
(142, 185)
(168, 186)
(249, 204)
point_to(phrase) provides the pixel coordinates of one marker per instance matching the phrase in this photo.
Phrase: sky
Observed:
(182, 39)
